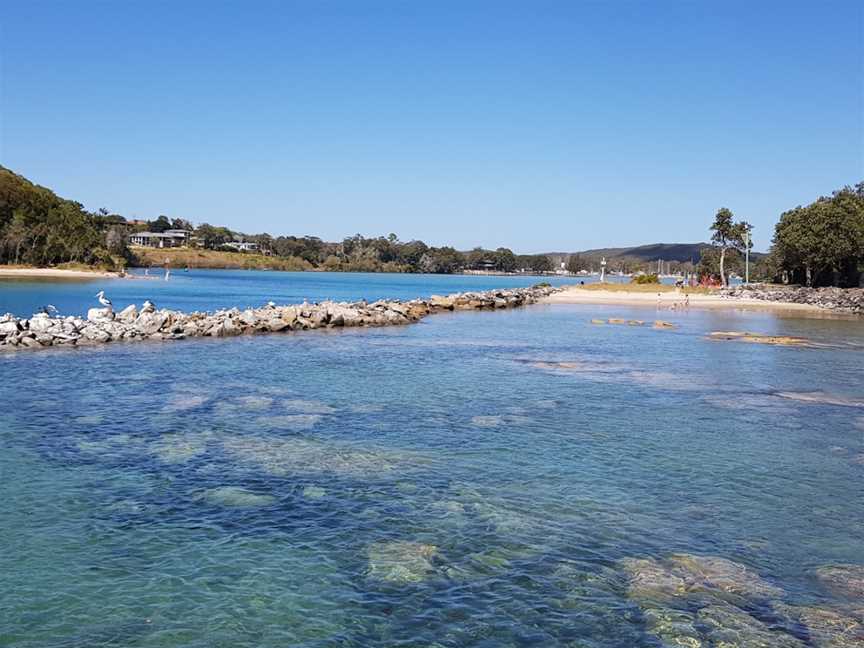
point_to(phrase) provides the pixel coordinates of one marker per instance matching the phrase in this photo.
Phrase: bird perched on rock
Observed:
(50, 310)
(148, 307)
(104, 300)
(271, 304)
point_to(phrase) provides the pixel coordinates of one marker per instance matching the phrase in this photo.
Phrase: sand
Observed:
(671, 300)
(54, 273)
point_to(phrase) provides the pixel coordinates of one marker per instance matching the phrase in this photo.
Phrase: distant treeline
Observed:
(820, 244)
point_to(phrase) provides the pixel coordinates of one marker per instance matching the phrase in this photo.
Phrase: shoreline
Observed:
(675, 301)
(55, 273)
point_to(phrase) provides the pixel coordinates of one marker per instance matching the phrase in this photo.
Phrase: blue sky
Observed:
(541, 126)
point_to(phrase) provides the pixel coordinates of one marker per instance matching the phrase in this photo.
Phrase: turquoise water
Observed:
(213, 289)
(478, 479)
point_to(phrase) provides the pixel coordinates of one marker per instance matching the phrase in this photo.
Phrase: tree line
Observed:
(820, 244)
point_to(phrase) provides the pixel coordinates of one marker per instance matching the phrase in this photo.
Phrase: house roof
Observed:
(157, 234)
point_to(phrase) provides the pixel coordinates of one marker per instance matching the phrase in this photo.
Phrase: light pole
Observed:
(747, 253)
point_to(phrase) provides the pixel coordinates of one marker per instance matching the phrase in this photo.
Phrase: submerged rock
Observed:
(673, 627)
(729, 627)
(821, 398)
(715, 573)
(845, 580)
(401, 561)
(687, 574)
(235, 496)
(826, 628)
(650, 579)
(759, 338)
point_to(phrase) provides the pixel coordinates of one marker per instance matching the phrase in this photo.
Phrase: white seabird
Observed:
(104, 300)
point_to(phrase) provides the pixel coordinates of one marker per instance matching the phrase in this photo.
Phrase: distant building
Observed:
(166, 239)
(242, 246)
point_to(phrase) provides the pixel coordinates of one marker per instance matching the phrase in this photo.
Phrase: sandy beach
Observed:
(54, 273)
(671, 300)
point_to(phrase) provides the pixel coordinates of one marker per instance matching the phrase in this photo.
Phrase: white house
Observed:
(166, 239)
(243, 246)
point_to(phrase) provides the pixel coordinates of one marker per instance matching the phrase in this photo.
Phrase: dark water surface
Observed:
(478, 479)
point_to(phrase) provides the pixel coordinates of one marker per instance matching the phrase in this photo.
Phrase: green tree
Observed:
(728, 235)
(822, 243)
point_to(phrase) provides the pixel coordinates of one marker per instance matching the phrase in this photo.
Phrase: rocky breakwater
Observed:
(102, 325)
(850, 300)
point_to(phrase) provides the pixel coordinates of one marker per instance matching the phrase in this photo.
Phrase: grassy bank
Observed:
(194, 258)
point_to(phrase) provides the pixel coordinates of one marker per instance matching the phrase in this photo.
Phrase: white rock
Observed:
(100, 315)
(128, 314)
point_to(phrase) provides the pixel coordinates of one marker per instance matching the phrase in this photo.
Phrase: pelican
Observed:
(148, 306)
(50, 310)
(104, 300)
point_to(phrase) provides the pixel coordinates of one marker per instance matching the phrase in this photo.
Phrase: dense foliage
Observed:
(645, 279)
(37, 227)
(822, 244)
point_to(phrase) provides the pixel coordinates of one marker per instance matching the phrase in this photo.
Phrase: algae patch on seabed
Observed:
(401, 562)
(289, 421)
(307, 406)
(282, 456)
(254, 402)
(178, 448)
(235, 496)
(185, 401)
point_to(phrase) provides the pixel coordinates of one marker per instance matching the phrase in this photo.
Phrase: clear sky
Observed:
(541, 126)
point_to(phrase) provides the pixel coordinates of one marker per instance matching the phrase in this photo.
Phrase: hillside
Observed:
(681, 252)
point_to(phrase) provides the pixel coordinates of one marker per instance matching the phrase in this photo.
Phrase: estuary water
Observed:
(508, 478)
(214, 289)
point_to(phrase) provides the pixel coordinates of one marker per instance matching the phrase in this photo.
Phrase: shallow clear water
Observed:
(449, 483)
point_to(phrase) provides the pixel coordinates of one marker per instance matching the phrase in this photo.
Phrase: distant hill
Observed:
(682, 252)
(667, 251)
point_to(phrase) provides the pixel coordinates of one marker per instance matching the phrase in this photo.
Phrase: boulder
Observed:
(439, 302)
(95, 334)
(30, 342)
(9, 328)
(40, 323)
(150, 322)
(100, 315)
(128, 315)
